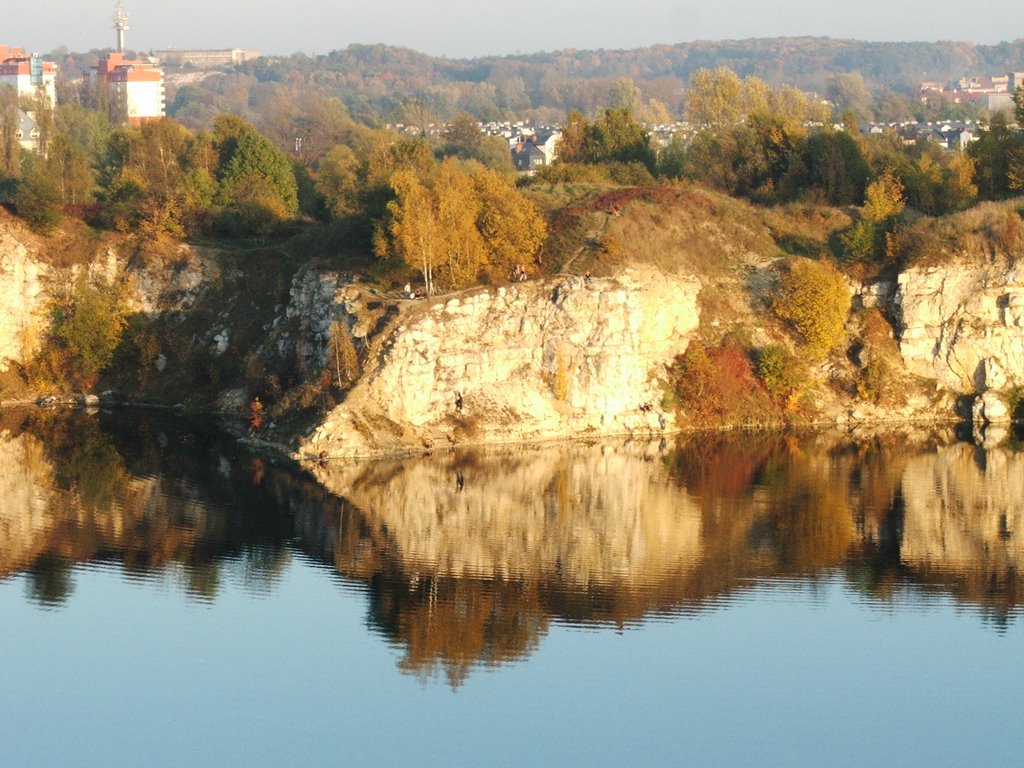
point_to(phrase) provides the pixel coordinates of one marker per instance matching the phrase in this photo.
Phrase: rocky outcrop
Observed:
(963, 326)
(530, 361)
(21, 296)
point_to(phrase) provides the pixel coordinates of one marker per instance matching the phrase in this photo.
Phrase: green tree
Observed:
(70, 167)
(257, 168)
(833, 165)
(38, 199)
(88, 324)
(994, 154)
(616, 136)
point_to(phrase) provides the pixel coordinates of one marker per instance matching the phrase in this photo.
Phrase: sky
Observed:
(466, 28)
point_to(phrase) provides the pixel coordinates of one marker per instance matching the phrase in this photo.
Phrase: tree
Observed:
(463, 136)
(835, 166)
(338, 181)
(714, 98)
(994, 156)
(458, 206)
(510, 224)
(959, 188)
(414, 229)
(571, 147)
(617, 137)
(10, 150)
(672, 159)
(88, 325)
(849, 94)
(883, 199)
(258, 167)
(815, 300)
(38, 199)
(626, 95)
(70, 168)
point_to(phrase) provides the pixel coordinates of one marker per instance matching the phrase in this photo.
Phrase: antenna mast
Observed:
(120, 24)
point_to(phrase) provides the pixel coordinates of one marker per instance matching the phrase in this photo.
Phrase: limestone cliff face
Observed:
(21, 296)
(28, 282)
(963, 326)
(529, 361)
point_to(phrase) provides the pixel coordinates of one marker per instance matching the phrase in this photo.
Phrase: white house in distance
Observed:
(28, 74)
(137, 86)
(27, 133)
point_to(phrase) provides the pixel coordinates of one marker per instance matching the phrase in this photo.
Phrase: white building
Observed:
(29, 75)
(27, 133)
(137, 86)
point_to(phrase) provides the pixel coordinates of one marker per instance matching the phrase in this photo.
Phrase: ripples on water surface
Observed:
(167, 599)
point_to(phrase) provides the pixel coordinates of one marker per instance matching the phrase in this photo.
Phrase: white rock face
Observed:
(990, 409)
(21, 296)
(963, 326)
(531, 361)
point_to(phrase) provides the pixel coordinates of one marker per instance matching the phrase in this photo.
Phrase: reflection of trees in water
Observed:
(49, 581)
(468, 560)
(458, 624)
(148, 496)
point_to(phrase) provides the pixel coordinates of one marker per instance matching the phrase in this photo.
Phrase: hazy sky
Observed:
(474, 27)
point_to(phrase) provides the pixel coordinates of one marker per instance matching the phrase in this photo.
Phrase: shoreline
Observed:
(306, 459)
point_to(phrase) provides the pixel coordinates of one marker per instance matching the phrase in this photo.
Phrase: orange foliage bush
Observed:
(718, 385)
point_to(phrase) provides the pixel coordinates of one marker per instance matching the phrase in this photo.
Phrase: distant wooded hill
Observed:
(380, 82)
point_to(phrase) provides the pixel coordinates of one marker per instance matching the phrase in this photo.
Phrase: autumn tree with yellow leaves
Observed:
(458, 224)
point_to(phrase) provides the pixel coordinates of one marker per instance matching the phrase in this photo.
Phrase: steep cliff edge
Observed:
(529, 361)
(963, 327)
(21, 293)
(347, 369)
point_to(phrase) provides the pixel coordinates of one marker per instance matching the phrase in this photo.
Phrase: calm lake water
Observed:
(168, 600)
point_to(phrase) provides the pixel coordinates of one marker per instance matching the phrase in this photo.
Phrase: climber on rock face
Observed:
(458, 401)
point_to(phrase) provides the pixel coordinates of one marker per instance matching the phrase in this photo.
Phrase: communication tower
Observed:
(120, 24)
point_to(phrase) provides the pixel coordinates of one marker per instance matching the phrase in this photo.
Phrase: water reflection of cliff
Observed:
(467, 559)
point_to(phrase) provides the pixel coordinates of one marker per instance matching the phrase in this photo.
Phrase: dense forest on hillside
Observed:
(384, 82)
(381, 83)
